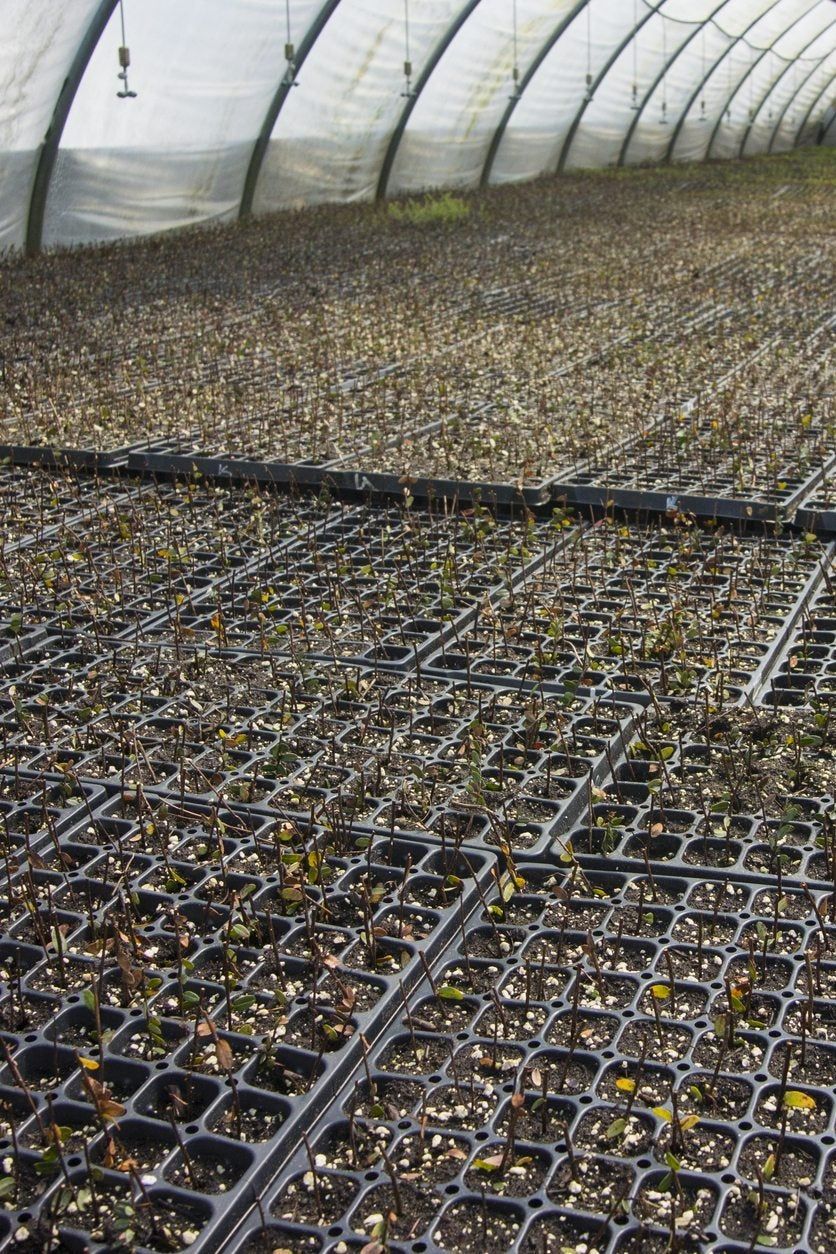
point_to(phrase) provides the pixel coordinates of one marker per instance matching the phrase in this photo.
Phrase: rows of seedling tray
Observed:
(499, 924)
(560, 336)
(416, 858)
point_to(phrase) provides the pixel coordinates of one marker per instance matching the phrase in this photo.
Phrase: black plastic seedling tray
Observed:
(583, 994)
(779, 507)
(428, 895)
(15, 646)
(817, 510)
(548, 789)
(602, 500)
(154, 889)
(799, 613)
(391, 615)
(96, 460)
(373, 486)
(806, 669)
(61, 458)
(818, 521)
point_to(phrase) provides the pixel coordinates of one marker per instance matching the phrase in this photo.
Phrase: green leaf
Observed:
(448, 993)
(240, 1004)
(616, 1129)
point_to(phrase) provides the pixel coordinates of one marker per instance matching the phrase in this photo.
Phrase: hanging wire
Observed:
(702, 75)
(794, 93)
(664, 118)
(588, 97)
(407, 92)
(634, 103)
(515, 67)
(751, 88)
(769, 111)
(125, 92)
(729, 105)
(289, 51)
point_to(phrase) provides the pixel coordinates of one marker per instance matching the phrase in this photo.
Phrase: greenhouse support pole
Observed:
(749, 71)
(824, 130)
(775, 82)
(812, 110)
(411, 100)
(514, 100)
(660, 77)
(791, 100)
(599, 78)
(701, 86)
(276, 105)
(48, 154)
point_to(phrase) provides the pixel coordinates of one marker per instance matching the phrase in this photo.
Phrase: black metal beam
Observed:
(753, 65)
(514, 100)
(598, 80)
(277, 103)
(700, 88)
(424, 77)
(48, 153)
(770, 89)
(660, 77)
(824, 130)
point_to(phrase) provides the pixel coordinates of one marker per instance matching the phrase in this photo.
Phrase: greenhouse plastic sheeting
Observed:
(35, 57)
(499, 90)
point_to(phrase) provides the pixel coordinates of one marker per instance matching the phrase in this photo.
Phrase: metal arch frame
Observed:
(48, 154)
(661, 76)
(276, 105)
(598, 80)
(749, 71)
(514, 100)
(824, 133)
(424, 77)
(812, 109)
(792, 98)
(706, 78)
(770, 89)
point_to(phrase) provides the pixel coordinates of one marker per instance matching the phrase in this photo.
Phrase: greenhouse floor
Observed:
(418, 777)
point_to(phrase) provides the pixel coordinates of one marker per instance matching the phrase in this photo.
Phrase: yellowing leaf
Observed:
(796, 1100)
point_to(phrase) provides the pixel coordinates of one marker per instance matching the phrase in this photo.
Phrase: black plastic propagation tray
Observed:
(259, 1060)
(575, 1048)
(280, 966)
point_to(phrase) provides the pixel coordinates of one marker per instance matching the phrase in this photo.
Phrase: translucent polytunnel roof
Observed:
(252, 105)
